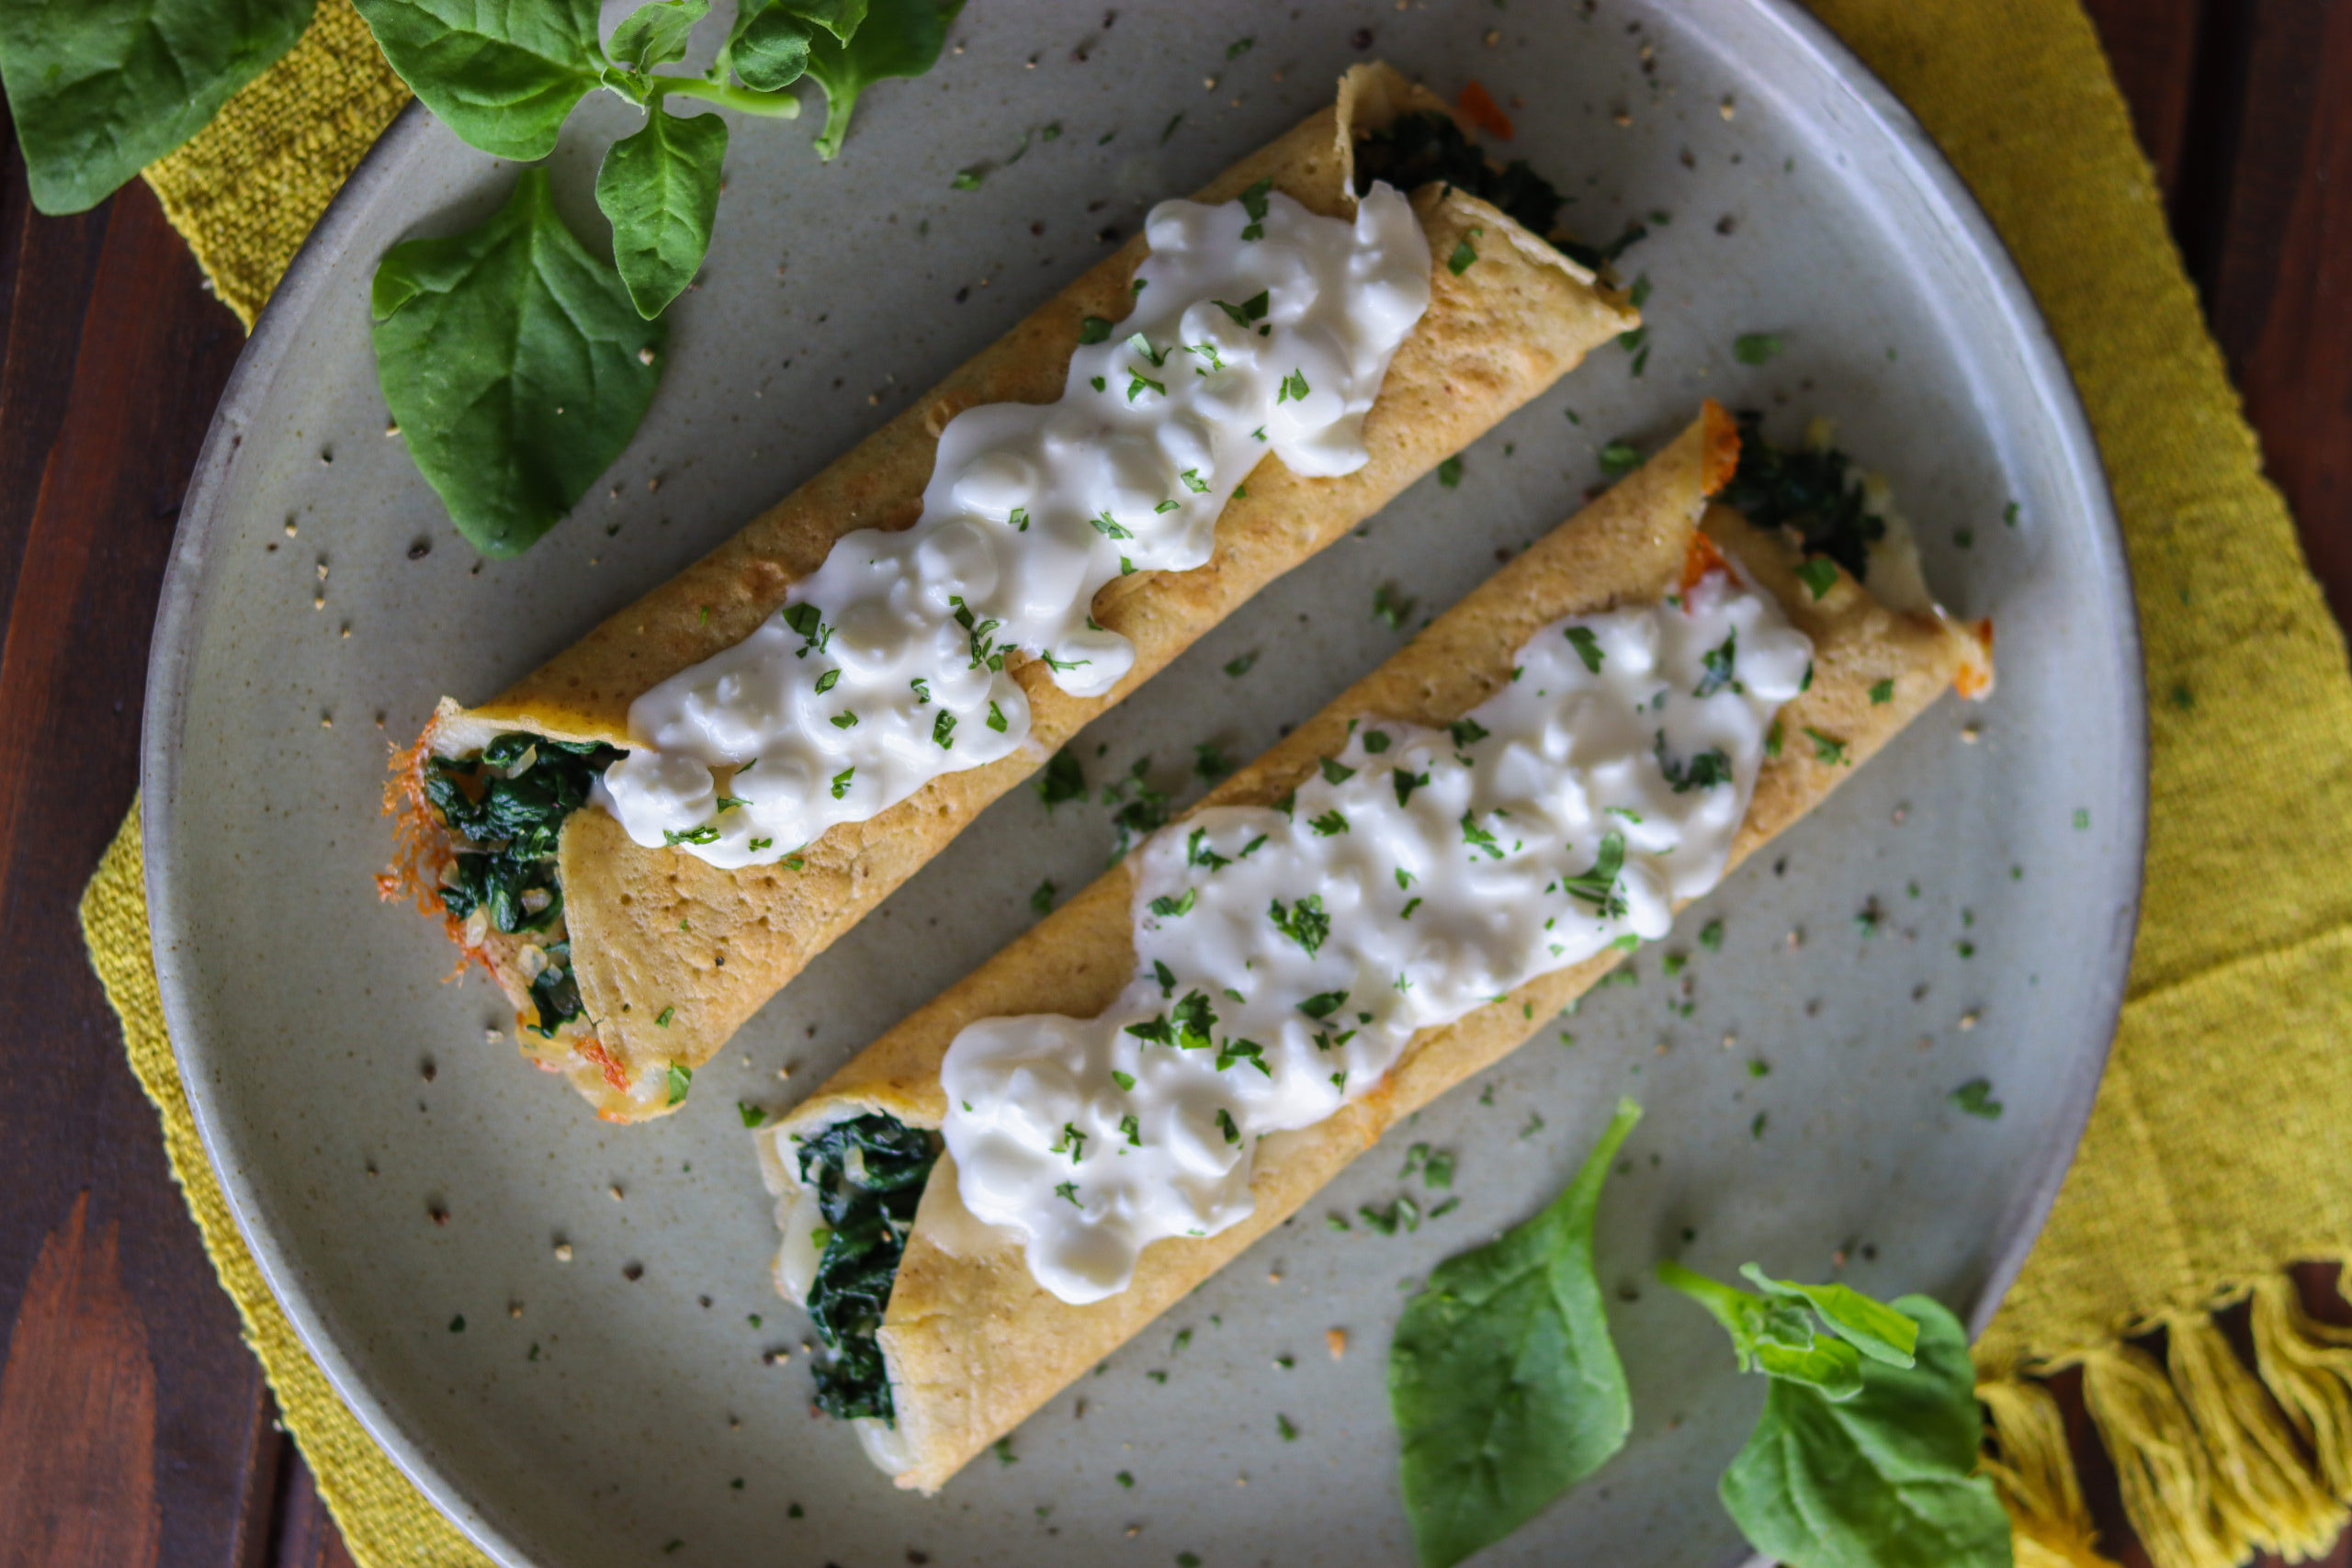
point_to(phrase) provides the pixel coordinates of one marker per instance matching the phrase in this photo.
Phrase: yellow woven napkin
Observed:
(2209, 1167)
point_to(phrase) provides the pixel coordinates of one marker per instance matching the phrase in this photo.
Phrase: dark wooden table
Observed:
(134, 1426)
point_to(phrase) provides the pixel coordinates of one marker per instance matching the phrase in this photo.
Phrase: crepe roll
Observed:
(643, 839)
(986, 1201)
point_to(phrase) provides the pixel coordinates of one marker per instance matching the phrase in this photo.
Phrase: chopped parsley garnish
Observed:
(1254, 202)
(845, 719)
(1824, 749)
(840, 782)
(1587, 647)
(1069, 1190)
(1072, 1141)
(809, 621)
(826, 682)
(1466, 732)
(1248, 1051)
(1881, 692)
(1391, 608)
(1449, 473)
(1142, 345)
(1294, 388)
(1336, 772)
(1464, 253)
(1819, 575)
(1168, 909)
(1718, 664)
(943, 730)
(1225, 1125)
(1110, 526)
(1210, 761)
(1705, 770)
(705, 834)
(922, 690)
(1237, 668)
(1193, 482)
(1599, 886)
(1197, 852)
(1165, 976)
(1249, 311)
(1975, 1098)
(1329, 824)
(1619, 458)
(1772, 740)
(678, 1079)
(1129, 1125)
(730, 802)
(1093, 329)
(1478, 838)
(1304, 923)
(997, 720)
(1375, 741)
(1323, 1004)
(1710, 936)
(1136, 385)
(1407, 784)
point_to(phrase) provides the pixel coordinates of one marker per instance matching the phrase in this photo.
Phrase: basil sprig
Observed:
(1505, 1386)
(1865, 1454)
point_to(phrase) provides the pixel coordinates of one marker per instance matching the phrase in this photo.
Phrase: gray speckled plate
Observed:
(594, 1411)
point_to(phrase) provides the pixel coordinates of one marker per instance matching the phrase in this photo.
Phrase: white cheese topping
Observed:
(1258, 326)
(1284, 958)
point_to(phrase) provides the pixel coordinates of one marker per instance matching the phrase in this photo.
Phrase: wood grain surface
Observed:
(134, 1426)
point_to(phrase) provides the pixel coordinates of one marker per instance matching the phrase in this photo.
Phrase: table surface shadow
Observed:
(135, 1428)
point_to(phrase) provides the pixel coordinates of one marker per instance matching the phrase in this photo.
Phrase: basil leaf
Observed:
(896, 37)
(515, 364)
(655, 34)
(1875, 1329)
(1883, 1480)
(1504, 1383)
(100, 89)
(660, 190)
(502, 76)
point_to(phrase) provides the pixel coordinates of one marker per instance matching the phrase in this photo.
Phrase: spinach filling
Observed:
(511, 802)
(867, 1174)
(1806, 489)
(1415, 149)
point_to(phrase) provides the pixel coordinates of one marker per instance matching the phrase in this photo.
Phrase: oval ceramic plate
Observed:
(1962, 910)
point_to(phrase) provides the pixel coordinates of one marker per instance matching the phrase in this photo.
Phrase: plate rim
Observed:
(277, 335)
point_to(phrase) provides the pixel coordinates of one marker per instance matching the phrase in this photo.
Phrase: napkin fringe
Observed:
(2215, 1460)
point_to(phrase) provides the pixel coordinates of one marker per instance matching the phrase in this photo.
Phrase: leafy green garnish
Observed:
(1598, 886)
(896, 37)
(504, 77)
(1062, 779)
(1587, 647)
(1975, 1098)
(1718, 665)
(1866, 1452)
(1465, 253)
(1304, 923)
(1705, 770)
(659, 189)
(869, 1218)
(100, 89)
(1619, 458)
(1390, 608)
(514, 363)
(1755, 348)
(1504, 1383)
(678, 1080)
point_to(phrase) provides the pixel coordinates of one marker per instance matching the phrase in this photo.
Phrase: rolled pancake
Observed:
(972, 1343)
(673, 954)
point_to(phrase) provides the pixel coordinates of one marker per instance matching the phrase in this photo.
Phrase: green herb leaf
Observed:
(660, 190)
(515, 365)
(1449, 473)
(1588, 648)
(100, 89)
(1505, 1386)
(1755, 348)
(1876, 1330)
(502, 77)
(1093, 329)
(655, 34)
(1975, 1098)
(752, 1116)
(680, 1080)
(1465, 253)
(1619, 458)
(1818, 573)
(895, 38)
(1885, 1478)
